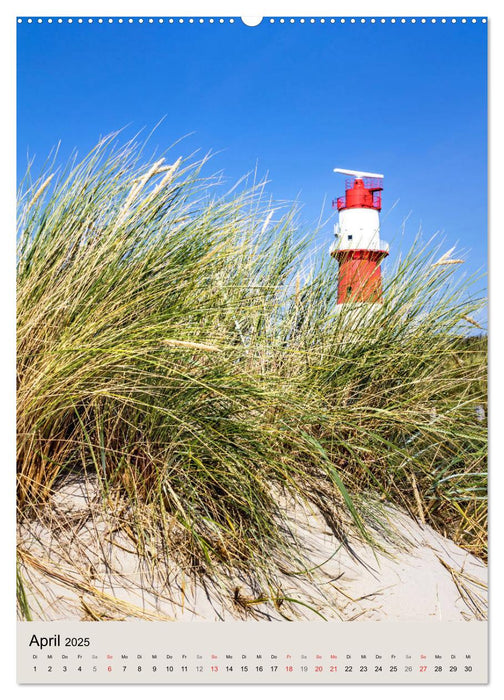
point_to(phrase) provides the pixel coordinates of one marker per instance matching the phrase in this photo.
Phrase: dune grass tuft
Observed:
(178, 343)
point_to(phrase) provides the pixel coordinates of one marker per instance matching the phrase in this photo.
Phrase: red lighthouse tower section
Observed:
(359, 277)
(358, 248)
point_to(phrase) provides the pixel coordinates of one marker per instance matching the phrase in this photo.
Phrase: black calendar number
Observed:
(393, 669)
(77, 641)
(453, 669)
(467, 668)
(348, 669)
(363, 669)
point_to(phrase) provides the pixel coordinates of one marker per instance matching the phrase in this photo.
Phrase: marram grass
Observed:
(178, 344)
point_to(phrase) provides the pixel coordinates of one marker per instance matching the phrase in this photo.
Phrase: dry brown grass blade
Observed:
(75, 584)
(41, 190)
(191, 345)
(418, 500)
(474, 602)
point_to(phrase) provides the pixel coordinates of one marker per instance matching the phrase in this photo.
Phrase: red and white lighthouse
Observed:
(358, 247)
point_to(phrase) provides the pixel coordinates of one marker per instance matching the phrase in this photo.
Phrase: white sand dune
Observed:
(78, 564)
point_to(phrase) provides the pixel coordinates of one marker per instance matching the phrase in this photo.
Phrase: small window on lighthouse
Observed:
(350, 236)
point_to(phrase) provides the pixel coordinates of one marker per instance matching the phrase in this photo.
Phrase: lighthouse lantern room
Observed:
(358, 247)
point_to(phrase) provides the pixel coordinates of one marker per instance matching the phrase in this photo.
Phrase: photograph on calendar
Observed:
(251, 320)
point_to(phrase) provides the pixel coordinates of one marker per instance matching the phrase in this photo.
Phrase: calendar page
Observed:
(251, 349)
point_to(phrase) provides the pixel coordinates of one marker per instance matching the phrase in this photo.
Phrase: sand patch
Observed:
(79, 561)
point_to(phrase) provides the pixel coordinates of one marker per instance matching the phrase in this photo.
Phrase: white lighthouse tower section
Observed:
(358, 229)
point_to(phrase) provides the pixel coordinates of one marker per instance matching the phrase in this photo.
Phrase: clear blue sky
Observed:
(406, 100)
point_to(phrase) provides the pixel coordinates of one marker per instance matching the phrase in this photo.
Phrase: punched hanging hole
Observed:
(252, 21)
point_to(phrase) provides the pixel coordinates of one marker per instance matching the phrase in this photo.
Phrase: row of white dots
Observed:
(231, 20)
(121, 20)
